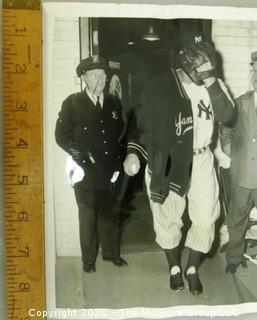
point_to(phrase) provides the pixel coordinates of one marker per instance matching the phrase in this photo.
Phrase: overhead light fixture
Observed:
(151, 35)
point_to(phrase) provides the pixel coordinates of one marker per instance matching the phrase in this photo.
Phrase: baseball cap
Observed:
(190, 38)
(91, 63)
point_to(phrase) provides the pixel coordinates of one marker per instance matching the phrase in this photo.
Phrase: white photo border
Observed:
(51, 11)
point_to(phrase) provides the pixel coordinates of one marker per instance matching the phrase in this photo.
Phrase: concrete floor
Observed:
(144, 282)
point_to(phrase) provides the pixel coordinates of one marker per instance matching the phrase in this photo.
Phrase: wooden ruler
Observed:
(23, 162)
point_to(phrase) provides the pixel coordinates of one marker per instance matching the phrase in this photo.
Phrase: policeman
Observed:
(89, 128)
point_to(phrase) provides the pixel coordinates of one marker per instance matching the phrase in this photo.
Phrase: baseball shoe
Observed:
(176, 281)
(194, 283)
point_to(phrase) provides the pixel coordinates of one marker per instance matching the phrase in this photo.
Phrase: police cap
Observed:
(91, 63)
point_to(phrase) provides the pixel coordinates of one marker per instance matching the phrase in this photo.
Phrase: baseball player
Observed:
(176, 116)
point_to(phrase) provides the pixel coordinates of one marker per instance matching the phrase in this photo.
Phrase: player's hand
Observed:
(131, 164)
(227, 149)
(207, 67)
(221, 155)
(225, 163)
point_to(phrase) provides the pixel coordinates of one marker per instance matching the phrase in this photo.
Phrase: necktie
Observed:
(98, 104)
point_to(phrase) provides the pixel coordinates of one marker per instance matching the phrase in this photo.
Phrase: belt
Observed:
(196, 152)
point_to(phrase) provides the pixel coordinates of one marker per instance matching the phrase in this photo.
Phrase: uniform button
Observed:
(101, 121)
(84, 161)
(103, 131)
(253, 140)
(105, 141)
(85, 128)
(106, 152)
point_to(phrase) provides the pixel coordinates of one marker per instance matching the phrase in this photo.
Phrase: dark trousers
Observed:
(98, 222)
(241, 202)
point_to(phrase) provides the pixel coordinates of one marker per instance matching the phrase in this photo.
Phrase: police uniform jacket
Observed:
(91, 136)
(243, 140)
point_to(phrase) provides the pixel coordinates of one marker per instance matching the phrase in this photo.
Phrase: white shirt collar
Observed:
(93, 98)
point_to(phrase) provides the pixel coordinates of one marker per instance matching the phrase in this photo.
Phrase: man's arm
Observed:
(222, 103)
(227, 131)
(64, 135)
(64, 126)
(135, 150)
(226, 139)
(134, 144)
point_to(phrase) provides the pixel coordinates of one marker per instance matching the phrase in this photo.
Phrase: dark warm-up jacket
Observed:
(169, 155)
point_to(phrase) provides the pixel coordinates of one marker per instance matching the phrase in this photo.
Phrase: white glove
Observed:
(115, 176)
(131, 164)
(73, 171)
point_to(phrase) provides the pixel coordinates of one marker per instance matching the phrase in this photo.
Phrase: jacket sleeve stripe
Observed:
(132, 145)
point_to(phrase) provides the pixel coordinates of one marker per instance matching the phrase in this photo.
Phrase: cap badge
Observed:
(115, 115)
(198, 39)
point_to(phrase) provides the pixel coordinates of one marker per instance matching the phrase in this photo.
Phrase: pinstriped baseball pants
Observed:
(203, 208)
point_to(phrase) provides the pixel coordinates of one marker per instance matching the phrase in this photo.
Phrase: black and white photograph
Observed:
(150, 152)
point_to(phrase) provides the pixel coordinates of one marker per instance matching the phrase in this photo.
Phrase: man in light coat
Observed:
(240, 143)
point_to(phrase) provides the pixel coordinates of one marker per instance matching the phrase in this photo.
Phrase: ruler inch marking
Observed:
(20, 4)
(23, 159)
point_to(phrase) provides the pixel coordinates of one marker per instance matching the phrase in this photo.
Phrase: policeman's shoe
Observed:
(118, 261)
(231, 268)
(89, 267)
(194, 283)
(176, 280)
